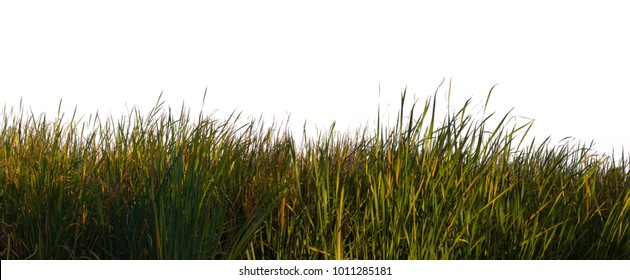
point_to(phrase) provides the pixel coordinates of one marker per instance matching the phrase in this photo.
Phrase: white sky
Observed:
(565, 64)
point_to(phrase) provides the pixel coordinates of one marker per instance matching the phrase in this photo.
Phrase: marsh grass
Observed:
(159, 186)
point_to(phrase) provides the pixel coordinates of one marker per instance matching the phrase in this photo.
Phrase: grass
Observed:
(159, 186)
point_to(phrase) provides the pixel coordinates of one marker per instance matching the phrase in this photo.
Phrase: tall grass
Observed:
(160, 186)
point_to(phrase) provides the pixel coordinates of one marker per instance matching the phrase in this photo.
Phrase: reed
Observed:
(160, 186)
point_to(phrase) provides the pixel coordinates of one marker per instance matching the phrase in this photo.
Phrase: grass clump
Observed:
(159, 186)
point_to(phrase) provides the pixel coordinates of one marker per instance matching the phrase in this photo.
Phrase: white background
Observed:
(565, 64)
(167, 270)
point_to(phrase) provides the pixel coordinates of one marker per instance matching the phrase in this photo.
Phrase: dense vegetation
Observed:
(159, 186)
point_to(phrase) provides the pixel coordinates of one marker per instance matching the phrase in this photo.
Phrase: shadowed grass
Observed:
(159, 186)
